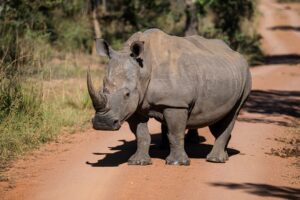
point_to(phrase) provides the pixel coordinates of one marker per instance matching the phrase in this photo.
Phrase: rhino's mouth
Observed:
(125, 118)
(106, 124)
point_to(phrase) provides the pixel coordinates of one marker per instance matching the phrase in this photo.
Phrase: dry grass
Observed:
(55, 100)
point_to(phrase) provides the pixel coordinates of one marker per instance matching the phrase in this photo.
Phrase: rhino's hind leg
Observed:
(222, 131)
(176, 123)
(140, 128)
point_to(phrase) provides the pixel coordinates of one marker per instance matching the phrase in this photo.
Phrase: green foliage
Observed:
(60, 23)
(32, 33)
(126, 17)
(123, 18)
(227, 18)
(73, 35)
(28, 119)
(229, 13)
(20, 114)
(203, 4)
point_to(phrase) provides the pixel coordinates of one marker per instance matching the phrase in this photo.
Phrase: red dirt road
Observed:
(92, 165)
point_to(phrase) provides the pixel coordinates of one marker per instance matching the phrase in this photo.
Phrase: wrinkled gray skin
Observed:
(183, 82)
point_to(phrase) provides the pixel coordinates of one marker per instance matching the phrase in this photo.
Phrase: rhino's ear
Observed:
(102, 48)
(137, 49)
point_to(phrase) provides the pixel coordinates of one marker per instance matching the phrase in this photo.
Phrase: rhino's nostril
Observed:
(116, 122)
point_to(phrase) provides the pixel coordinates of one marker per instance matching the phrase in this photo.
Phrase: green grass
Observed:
(27, 129)
(42, 86)
(37, 100)
(37, 109)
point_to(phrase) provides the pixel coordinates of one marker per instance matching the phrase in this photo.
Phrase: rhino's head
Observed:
(123, 86)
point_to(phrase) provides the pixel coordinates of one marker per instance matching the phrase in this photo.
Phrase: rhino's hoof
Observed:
(217, 158)
(177, 162)
(183, 161)
(139, 162)
(177, 158)
(135, 160)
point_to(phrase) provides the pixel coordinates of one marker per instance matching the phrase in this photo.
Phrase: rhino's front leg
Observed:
(138, 126)
(176, 122)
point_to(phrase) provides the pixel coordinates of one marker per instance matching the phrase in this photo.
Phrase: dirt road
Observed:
(92, 165)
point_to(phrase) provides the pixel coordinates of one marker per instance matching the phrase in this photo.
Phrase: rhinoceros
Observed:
(191, 137)
(183, 82)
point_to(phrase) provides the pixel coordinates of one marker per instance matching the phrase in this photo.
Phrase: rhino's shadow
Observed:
(125, 150)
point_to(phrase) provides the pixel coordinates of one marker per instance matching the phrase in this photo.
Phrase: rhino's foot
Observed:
(139, 159)
(181, 159)
(217, 157)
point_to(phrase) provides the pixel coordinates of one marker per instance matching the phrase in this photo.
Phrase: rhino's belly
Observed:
(202, 119)
(207, 112)
(219, 93)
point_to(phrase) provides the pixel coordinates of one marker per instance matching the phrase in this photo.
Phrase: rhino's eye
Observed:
(127, 94)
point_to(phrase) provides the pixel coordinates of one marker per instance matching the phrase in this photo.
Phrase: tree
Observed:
(191, 25)
(96, 25)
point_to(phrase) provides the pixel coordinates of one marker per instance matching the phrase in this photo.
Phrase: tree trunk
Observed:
(191, 25)
(96, 24)
(104, 6)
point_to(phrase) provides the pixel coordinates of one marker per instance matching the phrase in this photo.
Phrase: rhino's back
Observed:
(203, 75)
(223, 79)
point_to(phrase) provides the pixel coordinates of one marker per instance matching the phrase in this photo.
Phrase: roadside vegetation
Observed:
(46, 46)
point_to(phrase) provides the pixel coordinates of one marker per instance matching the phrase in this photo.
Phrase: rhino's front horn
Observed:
(99, 100)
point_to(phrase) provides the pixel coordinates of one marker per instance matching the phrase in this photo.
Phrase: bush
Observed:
(225, 19)
(20, 116)
(31, 34)
(123, 18)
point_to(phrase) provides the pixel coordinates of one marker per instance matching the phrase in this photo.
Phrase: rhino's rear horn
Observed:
(99, 100)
